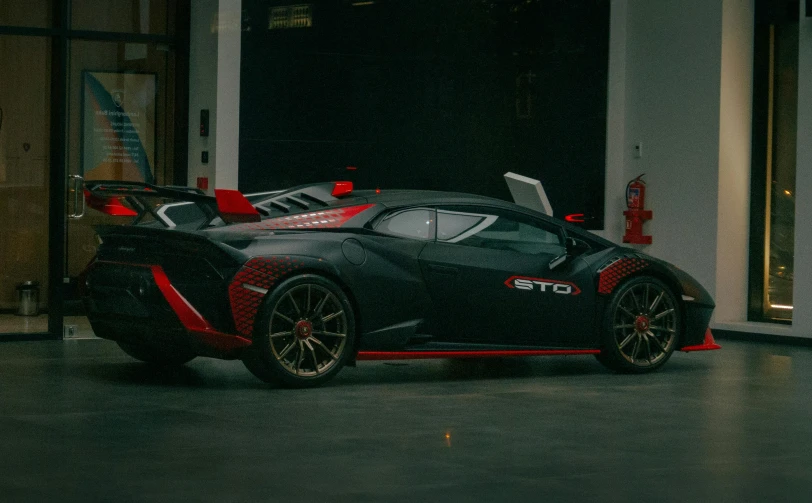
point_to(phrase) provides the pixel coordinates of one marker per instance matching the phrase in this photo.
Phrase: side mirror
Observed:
(576, 247)
(573, 248)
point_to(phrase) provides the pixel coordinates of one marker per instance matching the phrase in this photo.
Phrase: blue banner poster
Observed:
(118, 126)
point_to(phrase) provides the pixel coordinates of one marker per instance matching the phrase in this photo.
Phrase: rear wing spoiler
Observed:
(107, 196)
(230, 206)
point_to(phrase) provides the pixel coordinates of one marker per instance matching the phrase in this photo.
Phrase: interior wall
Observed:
(229, 42)
(616, 144)
(681, 85)
(214, 85)
(672, 98)
(802, 299)
(735, 136)
(202, 88)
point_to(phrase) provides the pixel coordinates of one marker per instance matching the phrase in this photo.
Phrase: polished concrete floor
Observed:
(80, 421)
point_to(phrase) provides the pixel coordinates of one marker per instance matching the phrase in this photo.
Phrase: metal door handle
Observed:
(78, 189)
(443, 269)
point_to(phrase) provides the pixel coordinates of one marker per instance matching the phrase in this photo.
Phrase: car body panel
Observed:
(408, 295)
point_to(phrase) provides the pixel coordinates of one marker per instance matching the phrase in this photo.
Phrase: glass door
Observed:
(87, 92)
(120, 127)
(25, 122)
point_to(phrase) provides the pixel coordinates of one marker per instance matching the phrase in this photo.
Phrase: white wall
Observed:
(202, 88)
(671, 99)
(802, 298)
(680, 82)
(214, 84)
(228, 93)
(616, 143)
(735, 146)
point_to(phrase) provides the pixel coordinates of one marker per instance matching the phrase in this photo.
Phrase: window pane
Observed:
(128, 16)
(496, 232)
(29, 13)
(451, 226)
(142, 83)
(24, 171)
(410, 223)
(781, 174)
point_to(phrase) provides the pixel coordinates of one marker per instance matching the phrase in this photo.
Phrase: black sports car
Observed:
(302, 282)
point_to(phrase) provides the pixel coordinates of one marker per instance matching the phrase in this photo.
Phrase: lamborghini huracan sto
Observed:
(302, 282)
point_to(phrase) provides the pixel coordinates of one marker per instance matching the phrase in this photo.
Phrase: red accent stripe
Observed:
(234, 207)
(708, 345)
(425, 355)
(188, 315)
(192, 320)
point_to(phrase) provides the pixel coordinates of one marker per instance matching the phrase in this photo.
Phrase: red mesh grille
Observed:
(261, 273)
(315, 220)
(613, 273)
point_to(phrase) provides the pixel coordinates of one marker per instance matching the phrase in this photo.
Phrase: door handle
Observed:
(443, 269)
(78, 191)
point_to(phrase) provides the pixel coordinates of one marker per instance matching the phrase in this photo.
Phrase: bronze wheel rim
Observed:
(308, 330)
(644, 324)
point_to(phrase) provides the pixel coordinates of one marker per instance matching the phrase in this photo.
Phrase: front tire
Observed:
(305, 333)
(156, 356)
(641, 327)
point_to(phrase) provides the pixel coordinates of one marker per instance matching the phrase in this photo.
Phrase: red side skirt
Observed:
(422, 355)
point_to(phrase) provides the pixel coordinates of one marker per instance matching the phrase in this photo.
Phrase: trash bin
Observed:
(28, 297)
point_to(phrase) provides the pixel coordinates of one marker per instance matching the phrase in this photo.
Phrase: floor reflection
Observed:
(78, 327)
(11, 323)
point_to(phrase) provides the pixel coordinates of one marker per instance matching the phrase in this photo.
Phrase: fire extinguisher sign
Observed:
(636, 215)
(633, 198)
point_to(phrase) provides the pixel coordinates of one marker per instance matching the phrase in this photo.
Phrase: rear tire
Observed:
(641, 327)
(156, 356)
(304, 335)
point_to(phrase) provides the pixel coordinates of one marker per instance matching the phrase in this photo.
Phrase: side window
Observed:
(415, 223)
(498, 231)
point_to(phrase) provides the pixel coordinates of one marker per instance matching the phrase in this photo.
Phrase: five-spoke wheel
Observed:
(641, 327)
(305, 333)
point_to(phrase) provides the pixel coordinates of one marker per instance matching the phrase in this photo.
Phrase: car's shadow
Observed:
(546, 368)
(193, 375)
(218, 374)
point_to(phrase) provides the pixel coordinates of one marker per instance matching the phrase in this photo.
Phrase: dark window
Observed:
(772, 217)
(429, 95)
(498, 231)
(416, 223)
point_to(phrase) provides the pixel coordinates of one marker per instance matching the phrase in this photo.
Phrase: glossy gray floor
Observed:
(80, 421)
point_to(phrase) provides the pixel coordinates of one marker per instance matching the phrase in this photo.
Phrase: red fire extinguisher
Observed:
(636, 215)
